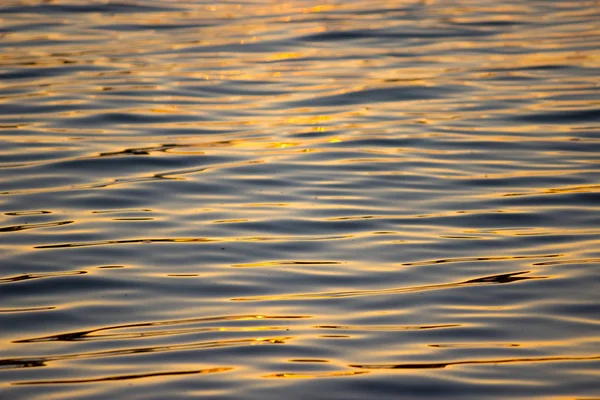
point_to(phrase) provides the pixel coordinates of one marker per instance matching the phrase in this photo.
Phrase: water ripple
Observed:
(340, 199)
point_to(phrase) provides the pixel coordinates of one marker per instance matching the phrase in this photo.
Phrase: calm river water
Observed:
(299, 199)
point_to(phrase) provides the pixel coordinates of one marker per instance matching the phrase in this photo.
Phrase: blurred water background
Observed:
(299, 199)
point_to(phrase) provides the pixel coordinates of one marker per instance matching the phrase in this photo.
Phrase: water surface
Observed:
(300, 199)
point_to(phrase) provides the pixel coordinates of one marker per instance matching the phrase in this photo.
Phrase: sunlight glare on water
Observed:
(299, 199)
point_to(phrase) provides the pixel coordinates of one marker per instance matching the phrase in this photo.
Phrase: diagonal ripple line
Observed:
(333, 374)
(193, 240)
(440, 365)
(162, 176)
(386, 327)
(501, 278)
(475, 259)
(16, 228)
(82, 335)
(27, 277)
(17, 363)
(125, 377)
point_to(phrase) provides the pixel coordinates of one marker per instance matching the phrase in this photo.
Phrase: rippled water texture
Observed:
(298, 199)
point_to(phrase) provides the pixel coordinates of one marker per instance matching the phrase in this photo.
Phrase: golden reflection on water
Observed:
(125, 377)
(198, 197)
(293, 375)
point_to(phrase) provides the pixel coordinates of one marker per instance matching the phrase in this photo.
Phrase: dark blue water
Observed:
(300, 200)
